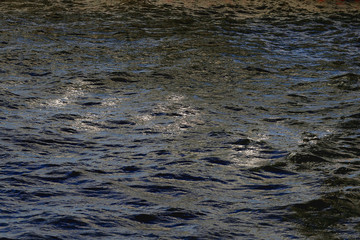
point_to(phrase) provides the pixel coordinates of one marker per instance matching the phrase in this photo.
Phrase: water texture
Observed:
(179, 119)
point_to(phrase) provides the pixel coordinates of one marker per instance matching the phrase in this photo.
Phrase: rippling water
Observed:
(170, 120)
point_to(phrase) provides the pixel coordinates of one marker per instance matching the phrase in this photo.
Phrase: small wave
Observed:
(69, 222)
(166, 216)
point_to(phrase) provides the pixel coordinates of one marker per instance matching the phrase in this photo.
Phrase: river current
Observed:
(179, 119)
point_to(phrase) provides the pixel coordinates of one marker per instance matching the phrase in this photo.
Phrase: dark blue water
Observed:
(170, 120)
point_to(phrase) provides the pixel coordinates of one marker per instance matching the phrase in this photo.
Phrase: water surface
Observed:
(170, 120)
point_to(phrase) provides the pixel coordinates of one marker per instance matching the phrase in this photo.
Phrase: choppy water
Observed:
(123, 120)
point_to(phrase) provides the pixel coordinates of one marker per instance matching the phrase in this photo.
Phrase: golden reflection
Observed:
(261, 7)
(265, 6)
(198, 3)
